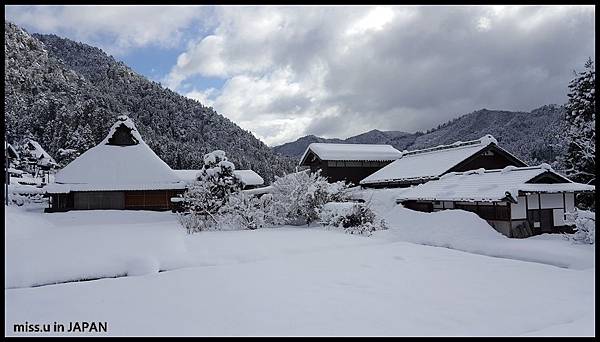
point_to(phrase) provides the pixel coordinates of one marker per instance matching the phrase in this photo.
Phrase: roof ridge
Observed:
(486, 139)
(509, 168)
(351, 144)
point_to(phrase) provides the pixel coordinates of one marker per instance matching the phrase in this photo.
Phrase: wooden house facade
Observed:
(516, 201)
(347, 162)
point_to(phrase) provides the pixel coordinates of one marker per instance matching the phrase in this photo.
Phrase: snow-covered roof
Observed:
(489, 185)
(248, 177)
(111, 167)
(11, 150)
(429, 163)
(39, 153)
(15, 171)
(370, 152)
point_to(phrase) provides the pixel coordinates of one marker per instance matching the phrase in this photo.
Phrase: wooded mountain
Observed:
(532, 136)
(66, 95)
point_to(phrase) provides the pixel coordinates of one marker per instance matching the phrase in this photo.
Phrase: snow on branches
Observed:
(581, 125)
(355, 218)
(297, 197)
(585, 226)
(205, 196)
(580, 119)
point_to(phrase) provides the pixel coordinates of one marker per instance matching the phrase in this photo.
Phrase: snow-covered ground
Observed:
(294, 280)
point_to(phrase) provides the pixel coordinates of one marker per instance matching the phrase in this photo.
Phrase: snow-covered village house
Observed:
(37, 157)
(121, 172)
(10, 156)
(420, 166)
(347, 162)
(516, 201)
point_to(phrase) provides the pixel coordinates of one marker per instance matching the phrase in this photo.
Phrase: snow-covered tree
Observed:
(218, 172)
(204, 197)
(581, 130)
(297, 197)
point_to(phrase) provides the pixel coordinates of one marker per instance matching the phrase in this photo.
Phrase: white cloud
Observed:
(342, 70)
(375, 20)
(386, 67)
(117, 29)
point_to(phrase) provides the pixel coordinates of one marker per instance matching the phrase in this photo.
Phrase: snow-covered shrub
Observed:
(297, 197)
(244, 211)
(355, 218)
(24, 194)
(585, 226)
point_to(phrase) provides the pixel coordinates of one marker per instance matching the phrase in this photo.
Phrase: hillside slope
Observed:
(67, 94)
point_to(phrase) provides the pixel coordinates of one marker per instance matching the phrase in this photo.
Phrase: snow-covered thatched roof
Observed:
(351, 152)
(491, 185)
(11, 151)
(42, 157)
(430, 163)
(247, 177)
(108, 166)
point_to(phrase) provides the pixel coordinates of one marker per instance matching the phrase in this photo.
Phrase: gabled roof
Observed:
(247, 177)
(111, 167)
(431, 163)
(11, 151)
(351, 152)
(41, 156)
(490, 185)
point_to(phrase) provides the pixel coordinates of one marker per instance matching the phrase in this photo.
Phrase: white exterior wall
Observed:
(559, 217)
(569, 201)
(449, 205)
(532, 201)
(518, 210)
(552, 201)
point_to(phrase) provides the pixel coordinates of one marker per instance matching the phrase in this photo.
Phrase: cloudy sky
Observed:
(336, 71)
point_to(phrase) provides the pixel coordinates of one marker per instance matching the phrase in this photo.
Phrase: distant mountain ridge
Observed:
(532, 136)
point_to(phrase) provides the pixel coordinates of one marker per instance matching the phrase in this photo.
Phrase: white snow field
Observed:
(294, 280)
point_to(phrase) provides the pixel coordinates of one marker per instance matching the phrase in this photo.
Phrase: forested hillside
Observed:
(66, 95)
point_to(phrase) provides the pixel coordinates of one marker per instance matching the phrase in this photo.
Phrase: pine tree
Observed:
(581, 132)
(211, 191)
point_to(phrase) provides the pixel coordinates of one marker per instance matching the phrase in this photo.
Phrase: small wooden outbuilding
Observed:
(516, 201)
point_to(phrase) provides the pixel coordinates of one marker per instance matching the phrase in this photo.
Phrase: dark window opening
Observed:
(122, 137)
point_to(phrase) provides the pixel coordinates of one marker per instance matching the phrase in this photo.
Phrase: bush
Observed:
(585, 226)
(355, 218)
(298, 197)
(245, 211)
(24, 194)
